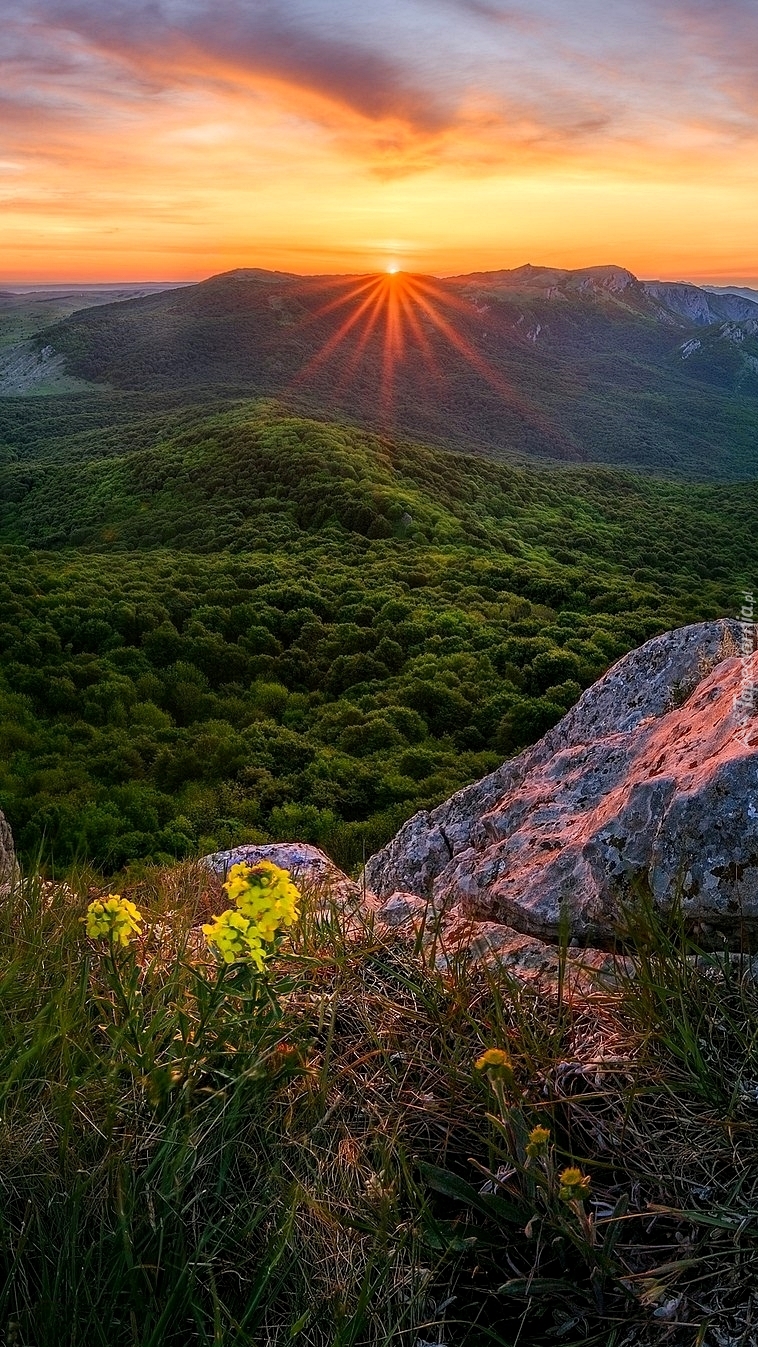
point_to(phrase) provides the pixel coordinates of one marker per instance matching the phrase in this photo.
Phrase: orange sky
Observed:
(170, 139)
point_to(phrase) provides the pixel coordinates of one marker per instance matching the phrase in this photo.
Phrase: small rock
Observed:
(402, 908)
(7, 853)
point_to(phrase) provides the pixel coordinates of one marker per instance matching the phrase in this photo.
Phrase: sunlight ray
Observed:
(420, 336)
(393, 307)
(354, 360)
(338, 337)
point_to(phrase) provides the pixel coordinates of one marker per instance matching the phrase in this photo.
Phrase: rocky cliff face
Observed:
(701, 306)
(651, 778)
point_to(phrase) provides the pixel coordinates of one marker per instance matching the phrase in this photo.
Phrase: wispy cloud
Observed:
(303, 48)
(509, 77)
(154, 102)
(721, 37)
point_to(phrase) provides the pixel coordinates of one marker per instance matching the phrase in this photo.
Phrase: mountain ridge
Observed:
(671, 299)
(582, 366)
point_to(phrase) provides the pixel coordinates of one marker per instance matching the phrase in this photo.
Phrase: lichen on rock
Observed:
(651, 780)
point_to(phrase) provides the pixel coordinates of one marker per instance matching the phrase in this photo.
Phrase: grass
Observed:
(313, 1157)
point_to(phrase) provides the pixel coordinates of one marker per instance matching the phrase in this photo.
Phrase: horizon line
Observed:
(27, 286)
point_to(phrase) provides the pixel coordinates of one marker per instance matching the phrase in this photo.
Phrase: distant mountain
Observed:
(29, 309)
(592, 365)
(745, 291)
(665, 301)
(702, 306)
(553, 283)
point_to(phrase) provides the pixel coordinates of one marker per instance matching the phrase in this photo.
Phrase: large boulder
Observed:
(300, 858)
(651, 779)
(7, 853)
(310, 868)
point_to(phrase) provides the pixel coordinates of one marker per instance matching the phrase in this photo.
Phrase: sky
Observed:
(173, 139)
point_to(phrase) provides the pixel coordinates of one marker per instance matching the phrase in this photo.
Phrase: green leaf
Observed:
(524, 1287)
(487, 1204)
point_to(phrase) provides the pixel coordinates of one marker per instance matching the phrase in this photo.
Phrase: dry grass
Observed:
(278, 1179)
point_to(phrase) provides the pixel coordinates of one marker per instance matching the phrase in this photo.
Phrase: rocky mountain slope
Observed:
(701, 306)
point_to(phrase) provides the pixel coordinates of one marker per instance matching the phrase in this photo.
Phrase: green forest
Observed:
(237, 624)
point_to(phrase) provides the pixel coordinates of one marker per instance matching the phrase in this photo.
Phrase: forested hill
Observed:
(243, 624)
(589, 366)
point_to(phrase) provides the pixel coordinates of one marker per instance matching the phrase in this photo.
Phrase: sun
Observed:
(393, 269)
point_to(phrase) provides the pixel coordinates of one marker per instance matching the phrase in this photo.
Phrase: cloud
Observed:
(723, 40)
(257, 39)
(575, 72)
(263, 131)
(398, 86)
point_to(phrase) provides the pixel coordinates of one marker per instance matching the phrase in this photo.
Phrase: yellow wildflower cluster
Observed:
(497, 1064)
(575, 1186)
(264, 893)
(113, 918)
(539, 1140)
(265, 901)
(234, 937)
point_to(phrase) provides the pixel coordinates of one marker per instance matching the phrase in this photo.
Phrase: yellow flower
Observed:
(497, 1064)
(266, 900)
(575, 1186)
(113, 918)
(265, 893)
(492, 1057)
(539, 1139)
(235, 937)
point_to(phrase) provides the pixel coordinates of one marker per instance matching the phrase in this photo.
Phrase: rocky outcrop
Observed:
(442, 938)
(7, 853)
(651, 778)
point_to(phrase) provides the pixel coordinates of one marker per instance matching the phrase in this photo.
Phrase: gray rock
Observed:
(7, 853)
(304, 862)
(402, 909)
(652, 777)
(442, 939)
